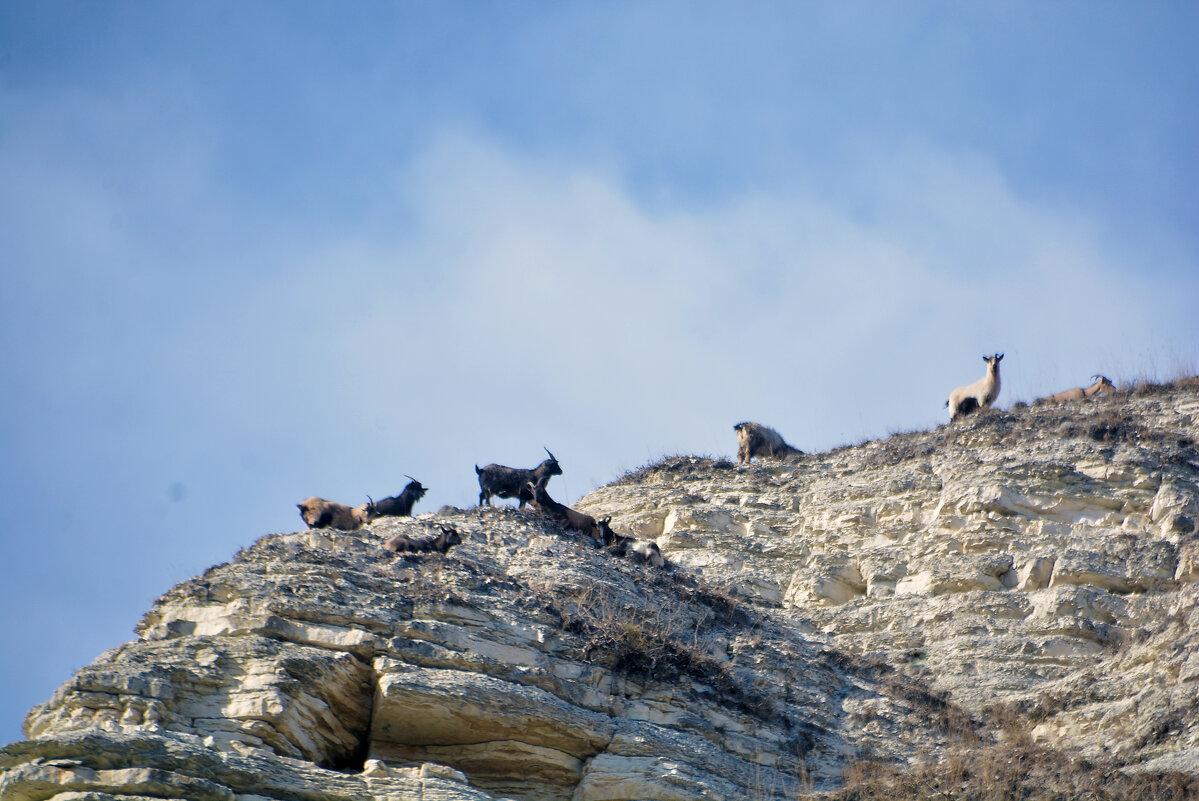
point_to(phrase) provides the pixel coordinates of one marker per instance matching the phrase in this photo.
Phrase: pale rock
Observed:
(811, 611)
(1188, 562)
(1034, 572)
(827, 578)
(1089, 569)
(1175, 503)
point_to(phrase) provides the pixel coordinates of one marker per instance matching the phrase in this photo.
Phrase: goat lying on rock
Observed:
(1101, 386)
(755, 439)
(402, 543)
(979, 395)
(633, 548)
(397, 505)
(598, 531)
(510, 482)
(542, 502)
(319, 513)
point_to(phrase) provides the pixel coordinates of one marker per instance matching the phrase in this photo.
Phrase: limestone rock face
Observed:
(1044, 558)
(524, 664)
(874, 602)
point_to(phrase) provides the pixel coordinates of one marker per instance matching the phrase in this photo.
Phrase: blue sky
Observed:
(255, 252)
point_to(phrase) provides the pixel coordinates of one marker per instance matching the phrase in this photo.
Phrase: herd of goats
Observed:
(495, 480)
(528, 486)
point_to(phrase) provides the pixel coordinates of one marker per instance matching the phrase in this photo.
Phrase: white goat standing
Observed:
(979, 395)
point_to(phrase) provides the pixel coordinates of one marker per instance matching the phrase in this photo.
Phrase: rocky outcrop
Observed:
(1043, 558)
(1021, 574)
(524, 664)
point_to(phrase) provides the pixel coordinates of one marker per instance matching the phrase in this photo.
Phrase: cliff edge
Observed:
(1020, 585)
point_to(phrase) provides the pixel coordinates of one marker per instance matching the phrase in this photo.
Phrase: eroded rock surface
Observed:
(1043, 558)
(524, 664)
(873, 602)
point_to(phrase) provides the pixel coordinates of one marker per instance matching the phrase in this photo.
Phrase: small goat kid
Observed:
(511, 482)
(319, 513)
(1101, 386)
(755, 439)
(979, 395)
(397, 505)
(402, 543)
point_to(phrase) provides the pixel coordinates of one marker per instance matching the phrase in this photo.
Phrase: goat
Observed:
(1100, 386)
(635, 549)
(755, 439)
(979, 395)
(402, 543)
(397, 505)
(542, 502)
(510, 482)
(319, 513)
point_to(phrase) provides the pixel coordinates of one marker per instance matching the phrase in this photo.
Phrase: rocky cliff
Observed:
(1022, 584)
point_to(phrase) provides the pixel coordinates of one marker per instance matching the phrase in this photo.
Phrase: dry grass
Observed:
(678, 465)
(1007, 771)
(661, 641)
(1143, 386)
(1006, 764)
(900, 447)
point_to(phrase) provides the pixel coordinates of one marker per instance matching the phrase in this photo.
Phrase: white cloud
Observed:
(500, 302)
(527, 304)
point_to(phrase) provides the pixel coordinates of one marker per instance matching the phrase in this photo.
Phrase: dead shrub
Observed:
(661, 642)
(1010, 772)
(1011, 767)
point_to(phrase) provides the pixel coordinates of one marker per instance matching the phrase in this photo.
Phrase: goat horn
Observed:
(370, 500)
(547, 450)
(410, 478)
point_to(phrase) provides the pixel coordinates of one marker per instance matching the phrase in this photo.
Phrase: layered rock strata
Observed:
(875, 602)
(1044, 557)
(524, 664)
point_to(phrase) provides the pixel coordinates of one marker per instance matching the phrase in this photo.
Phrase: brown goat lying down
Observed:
(535, 493)
(402, 543)
(1101, 386)
(319, 513)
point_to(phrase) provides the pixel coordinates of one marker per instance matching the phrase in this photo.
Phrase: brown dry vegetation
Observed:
(1011, 771)
(658, 642)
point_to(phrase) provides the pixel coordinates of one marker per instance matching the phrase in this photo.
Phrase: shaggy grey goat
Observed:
(755, 439)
